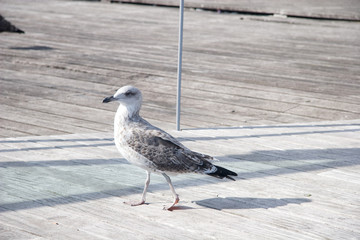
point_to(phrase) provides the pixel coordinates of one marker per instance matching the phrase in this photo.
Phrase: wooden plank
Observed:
(77, 100)
(25, 128)
(73, 186)
(40, 119)
(256, 70)
(225, 112)
(325, 9)
(5, 132)
(71, 83)
(244, 90)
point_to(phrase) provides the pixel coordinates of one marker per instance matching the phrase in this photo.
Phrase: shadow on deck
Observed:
(263, 163)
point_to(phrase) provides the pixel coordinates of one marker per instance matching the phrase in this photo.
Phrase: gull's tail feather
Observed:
(222, 172)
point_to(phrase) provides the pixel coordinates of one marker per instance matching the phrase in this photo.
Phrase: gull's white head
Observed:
(128, 96)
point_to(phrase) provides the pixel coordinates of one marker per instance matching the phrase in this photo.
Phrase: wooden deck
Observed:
(322, 9)
(298, 181)
(238, 69)
(275, 99)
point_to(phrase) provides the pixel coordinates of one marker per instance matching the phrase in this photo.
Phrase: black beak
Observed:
(108, 99)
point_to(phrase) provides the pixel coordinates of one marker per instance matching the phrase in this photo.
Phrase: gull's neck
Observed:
(126, 114)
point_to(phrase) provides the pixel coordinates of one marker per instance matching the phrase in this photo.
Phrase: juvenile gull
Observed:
(153, 149)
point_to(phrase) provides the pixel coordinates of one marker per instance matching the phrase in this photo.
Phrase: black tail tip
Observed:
(19, 31)
(223, 173)
(231, 177)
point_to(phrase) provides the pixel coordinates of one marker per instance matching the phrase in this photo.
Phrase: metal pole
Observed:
(181, 23)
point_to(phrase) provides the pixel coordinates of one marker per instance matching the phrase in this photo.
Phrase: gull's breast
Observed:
(131, 155)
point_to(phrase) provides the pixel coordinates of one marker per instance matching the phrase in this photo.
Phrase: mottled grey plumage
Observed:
(165, 153)
(152, 148)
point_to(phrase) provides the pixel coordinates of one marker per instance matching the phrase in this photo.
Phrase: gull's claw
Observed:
(176, 200)
(133, 203)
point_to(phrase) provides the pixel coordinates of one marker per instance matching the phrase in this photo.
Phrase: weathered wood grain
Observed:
(238, 69)
(295, 181)
(324, 9)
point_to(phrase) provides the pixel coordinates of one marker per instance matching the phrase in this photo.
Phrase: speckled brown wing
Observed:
(166, 153)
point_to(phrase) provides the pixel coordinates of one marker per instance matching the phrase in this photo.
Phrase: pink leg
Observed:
(175, 195)
(143, 197)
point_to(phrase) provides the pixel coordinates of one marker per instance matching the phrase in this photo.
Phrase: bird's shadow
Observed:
(180, 207)
(248, 203)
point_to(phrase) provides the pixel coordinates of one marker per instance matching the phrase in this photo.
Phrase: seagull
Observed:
(153, 149)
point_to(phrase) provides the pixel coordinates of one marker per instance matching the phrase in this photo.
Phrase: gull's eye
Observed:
(129, 93)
